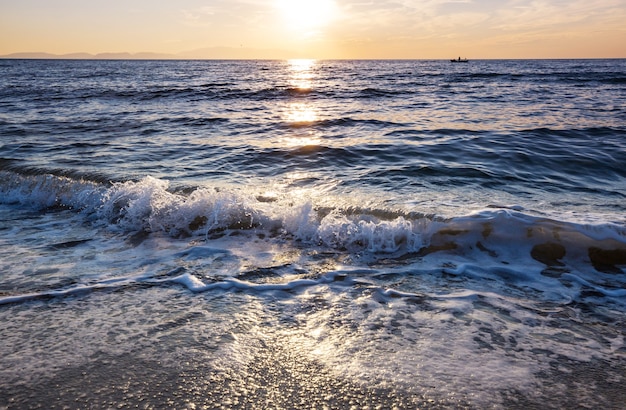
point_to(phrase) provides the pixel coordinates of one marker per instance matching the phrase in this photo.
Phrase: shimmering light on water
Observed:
(301, 74)
(300, 114)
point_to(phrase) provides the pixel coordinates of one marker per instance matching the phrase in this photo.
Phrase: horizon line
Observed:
(233, 53)
(145, 56)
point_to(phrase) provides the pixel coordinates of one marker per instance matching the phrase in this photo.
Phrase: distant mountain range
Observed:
(211, 53)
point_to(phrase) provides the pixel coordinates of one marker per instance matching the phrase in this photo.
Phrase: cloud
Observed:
(554, 16)
(198, 17)
(446, 17)
(222, 12)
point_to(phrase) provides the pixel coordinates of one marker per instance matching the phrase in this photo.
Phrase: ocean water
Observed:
(313, 234)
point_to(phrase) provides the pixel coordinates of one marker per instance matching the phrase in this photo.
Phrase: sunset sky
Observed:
(319, 28)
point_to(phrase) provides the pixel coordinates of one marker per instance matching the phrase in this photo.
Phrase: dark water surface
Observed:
(286, 234)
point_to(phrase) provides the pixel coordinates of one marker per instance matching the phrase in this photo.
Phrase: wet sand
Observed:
(279, 379)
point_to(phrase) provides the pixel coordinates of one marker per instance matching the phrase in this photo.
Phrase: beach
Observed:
(312, 234)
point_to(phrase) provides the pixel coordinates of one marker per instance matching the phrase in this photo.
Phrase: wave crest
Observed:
(150, 205)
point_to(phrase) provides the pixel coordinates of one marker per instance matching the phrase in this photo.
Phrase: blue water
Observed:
(313, 233)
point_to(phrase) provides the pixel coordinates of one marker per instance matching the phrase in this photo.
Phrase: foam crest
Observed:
(48, 191)
(196, 285)
(150, 205)
(337, 231)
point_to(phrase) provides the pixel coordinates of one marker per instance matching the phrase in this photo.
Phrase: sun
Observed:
(307, 14)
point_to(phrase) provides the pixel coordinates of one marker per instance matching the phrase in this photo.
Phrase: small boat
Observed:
(459, 60)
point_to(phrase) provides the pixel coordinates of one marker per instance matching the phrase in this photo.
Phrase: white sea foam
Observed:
(453, 324)
(149, 205)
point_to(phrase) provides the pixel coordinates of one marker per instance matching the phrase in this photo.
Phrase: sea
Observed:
(411, 234)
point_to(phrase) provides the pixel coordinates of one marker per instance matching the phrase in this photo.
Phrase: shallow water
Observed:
(281, 234)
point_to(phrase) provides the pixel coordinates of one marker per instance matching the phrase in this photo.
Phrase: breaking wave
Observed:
(150, 205)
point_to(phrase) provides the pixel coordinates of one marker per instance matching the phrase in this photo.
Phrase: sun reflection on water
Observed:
(299, 116)
(301, 64)
(301, 73)
(295, 142)
(300, 113)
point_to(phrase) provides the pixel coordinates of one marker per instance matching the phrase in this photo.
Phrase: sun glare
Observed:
(301, 73)
(307, 14)
(300, 113)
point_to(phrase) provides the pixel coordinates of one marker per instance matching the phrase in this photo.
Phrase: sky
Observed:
(331, 29)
